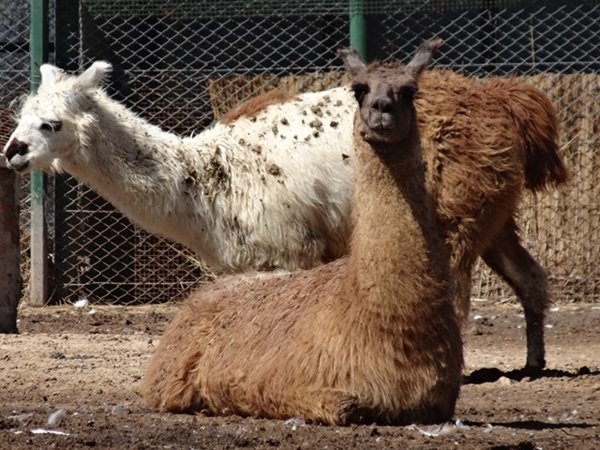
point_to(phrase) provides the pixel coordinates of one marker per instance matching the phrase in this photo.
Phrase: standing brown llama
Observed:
(483, 143)
(372, 337)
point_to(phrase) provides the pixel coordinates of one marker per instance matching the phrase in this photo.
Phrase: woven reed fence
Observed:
(560, 228)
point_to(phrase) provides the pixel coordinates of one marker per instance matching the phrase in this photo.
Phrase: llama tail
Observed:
(539, 125)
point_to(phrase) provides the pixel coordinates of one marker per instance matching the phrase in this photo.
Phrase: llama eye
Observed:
(360, 90)
(410, 92)
(53, 126)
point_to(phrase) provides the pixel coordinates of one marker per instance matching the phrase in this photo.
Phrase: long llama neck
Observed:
(121, 155)
(396, 247)
(128, 161)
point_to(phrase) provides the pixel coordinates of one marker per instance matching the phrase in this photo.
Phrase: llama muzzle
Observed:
(13, 151)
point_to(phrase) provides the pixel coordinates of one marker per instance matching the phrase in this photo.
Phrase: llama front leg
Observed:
(527, 277)
(327, 406)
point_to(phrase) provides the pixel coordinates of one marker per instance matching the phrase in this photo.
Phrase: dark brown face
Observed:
(385, 93)
(385, 99)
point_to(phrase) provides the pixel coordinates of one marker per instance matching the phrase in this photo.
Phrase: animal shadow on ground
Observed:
(492, 374)
(530, 425)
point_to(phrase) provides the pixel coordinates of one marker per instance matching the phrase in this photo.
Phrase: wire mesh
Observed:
(165, 56)
(14, 82)
(181, 64)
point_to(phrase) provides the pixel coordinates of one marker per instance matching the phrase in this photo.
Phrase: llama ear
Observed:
(51, 74)
(352, 60)
(94, 75)
(423, 56)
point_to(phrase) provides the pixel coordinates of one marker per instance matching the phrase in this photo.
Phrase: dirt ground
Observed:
(71, 380)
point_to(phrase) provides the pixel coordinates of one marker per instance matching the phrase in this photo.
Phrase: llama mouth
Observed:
(19, 168)
(376, 134)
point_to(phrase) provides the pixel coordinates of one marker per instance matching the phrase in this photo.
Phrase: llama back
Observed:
(291, 163)
(538, 123)
(474, 172)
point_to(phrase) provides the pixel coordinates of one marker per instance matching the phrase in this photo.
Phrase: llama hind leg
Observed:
(168, 383)
(527, 277)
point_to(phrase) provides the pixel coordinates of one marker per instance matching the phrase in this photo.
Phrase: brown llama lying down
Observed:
(371, 337)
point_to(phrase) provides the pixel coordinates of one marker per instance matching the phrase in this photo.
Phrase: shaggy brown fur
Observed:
(371, 337)
(252, 107)
(484, 142)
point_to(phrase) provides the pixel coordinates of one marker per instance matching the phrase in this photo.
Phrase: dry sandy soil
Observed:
(81, 369)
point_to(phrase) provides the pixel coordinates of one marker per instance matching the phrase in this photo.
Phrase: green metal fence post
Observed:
(38, 50)
(358, 27)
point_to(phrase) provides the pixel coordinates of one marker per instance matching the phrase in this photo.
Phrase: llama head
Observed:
(52, 122)
(385, 93)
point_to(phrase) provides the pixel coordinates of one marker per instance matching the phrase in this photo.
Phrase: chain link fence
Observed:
(181, 64)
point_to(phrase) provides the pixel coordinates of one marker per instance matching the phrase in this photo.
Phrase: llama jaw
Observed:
(380, 132)
(19, 166)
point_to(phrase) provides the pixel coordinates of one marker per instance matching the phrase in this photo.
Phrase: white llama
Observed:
(237, 197)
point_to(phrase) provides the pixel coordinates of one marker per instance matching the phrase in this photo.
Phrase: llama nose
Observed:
(383, 105)
(14, 148)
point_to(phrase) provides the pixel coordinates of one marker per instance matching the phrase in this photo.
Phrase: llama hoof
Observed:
(536, 362)
(535, 369)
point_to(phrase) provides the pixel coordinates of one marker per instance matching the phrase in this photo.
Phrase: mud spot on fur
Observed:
(274, 170)
(257, 149)
(333, 124)
(345, 157)
(338, 103)
(190, 181)
(191, 176)
(284, 121)
(215, 173)
(274, 129)
(316, 124)
(316, 109)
